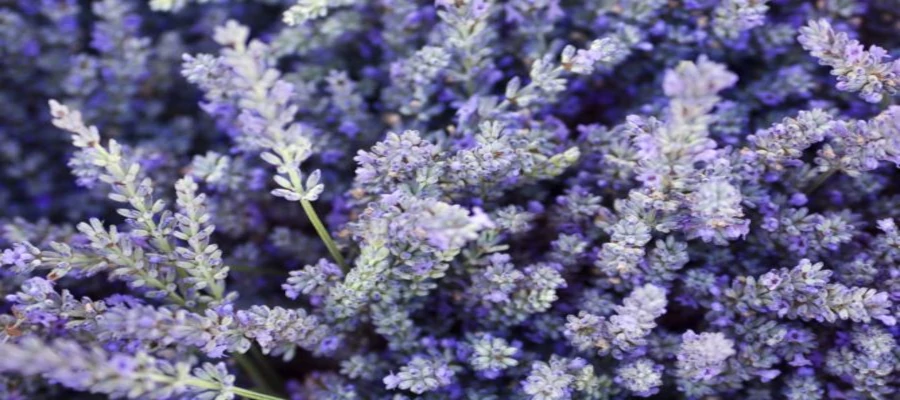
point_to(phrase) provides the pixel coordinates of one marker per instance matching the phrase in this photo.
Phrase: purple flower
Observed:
(19, 257)
(702, 357)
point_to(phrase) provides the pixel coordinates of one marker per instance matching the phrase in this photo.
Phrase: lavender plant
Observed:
(539, 200)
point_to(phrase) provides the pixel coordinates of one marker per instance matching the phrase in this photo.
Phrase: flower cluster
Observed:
(449, 199)
(857, 69)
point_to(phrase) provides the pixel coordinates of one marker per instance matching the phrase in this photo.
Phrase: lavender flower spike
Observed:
(869, 72)
(119, 375)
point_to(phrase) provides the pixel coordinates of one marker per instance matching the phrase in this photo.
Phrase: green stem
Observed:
(253, 395)
(149, 279)
(273, 379)
(258, 379)
(819, 181)
(245, 393)
(323, 234)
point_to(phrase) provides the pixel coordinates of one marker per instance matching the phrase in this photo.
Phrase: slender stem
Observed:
(820, 180)
(272, 377)
(258, 379)
(150, 280)
(177, 298)
(323, 234)
(253, 395)
(246, 393)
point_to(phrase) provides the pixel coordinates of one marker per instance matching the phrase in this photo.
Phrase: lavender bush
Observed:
(459, 199)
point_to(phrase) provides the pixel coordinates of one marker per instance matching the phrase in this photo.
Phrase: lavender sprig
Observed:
(869, 72)
(120, 375)
(243, 74)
